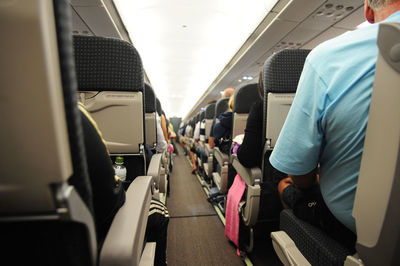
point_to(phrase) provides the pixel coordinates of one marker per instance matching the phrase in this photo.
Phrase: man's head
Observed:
(378, 10)
(228, 93)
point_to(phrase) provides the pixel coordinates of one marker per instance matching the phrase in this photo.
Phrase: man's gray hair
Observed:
(377, 4)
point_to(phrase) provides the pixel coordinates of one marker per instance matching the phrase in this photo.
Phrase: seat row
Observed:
(297, 242)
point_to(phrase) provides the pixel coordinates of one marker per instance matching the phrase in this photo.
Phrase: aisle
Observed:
(195, 233)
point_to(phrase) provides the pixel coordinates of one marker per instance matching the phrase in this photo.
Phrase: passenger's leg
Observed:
(309, 205)
(156, 230)
(193, 160)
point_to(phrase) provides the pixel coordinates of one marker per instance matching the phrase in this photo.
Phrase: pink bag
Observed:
(232, 218)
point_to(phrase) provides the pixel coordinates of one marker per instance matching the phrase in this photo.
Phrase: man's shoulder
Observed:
(349, 49)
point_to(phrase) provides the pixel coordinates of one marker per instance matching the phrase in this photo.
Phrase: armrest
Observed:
(251, 176)
(124, 242)
(286, 249)
(148, 255)
(208, 149)
(220, 156)
(251, 208)
(155, 168)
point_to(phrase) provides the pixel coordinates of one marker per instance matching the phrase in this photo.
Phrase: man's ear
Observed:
(369, 13)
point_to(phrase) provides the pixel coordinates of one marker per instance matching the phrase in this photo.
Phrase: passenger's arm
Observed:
(164, 127)
(305, 181)
(211, 142)
(249, 152)
(211, 137)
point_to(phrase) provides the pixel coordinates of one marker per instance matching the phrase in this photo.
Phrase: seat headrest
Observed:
(149, 99)
(221, 106)
(107, 64)
(281, 71)
(202, 115)
(244, 97)
(210, 110)
(192, 122)
(158, 107)
(197, 118)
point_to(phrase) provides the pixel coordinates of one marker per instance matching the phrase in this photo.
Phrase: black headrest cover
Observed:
(107, 64)
(245, 96)
(281, 71)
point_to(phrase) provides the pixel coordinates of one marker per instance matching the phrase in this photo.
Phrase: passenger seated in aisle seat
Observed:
(223, 129)
(161, 142)
(171, 135)
(250, 151)
(227, 93)
(202, 138)
(327, 121)
(196, 137)
(249, 155)
(109, 195)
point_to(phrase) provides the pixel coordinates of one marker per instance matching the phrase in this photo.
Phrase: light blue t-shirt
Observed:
(328, 117)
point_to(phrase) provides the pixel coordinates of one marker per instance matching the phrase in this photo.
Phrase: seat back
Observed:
(150, 116)
(202, 115)
(244, 97)
(209, 116)
(220, 107)
(46, 198)
(376, 205)
(110, 79)
(281, 74)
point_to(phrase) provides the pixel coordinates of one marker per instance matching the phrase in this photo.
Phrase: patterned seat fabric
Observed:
(314, 244)
(149, 99)
(245, 96)
(106, 64)
(281, 72)
(221, 106)
(210, 110)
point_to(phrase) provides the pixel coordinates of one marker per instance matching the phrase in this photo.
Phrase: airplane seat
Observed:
(281, 72)
(155, 168)
(150, 116)
(244, 97)
(47, 201)
(111, 87)
(221, 159)
(376, 202)
(209, 116)
(201, 143)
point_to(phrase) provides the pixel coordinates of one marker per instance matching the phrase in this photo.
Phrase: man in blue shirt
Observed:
(327, 121)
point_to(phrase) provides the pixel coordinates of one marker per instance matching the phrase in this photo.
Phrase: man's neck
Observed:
(383, 13)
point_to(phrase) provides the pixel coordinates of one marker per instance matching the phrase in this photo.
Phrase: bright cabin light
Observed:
(184, 45)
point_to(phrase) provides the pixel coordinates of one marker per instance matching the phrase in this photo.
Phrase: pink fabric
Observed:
(232, 209)
(171, 148)
(235, 148)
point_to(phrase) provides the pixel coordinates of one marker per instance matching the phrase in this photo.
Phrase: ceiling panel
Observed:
(300, 9)
(98, 20)
(280, 5)
(86, 2)
(326, 35)
(353, 20)
(78, 26)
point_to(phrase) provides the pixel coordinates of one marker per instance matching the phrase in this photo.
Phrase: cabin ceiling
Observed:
(287, 24)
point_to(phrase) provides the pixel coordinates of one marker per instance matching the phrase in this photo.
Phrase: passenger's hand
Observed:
(284, 183)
